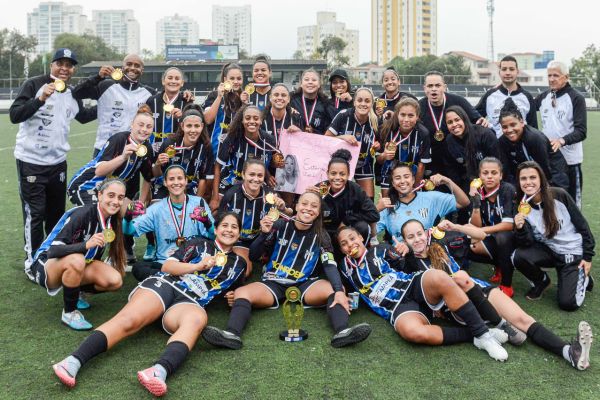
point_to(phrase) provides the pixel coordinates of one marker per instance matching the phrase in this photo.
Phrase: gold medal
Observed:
(109, 235)
(180, 240)
(354, 252)
(249, 88)
(227, 86)
(278, 160)
(476, 183)
(524, 208)
(439, 135)
(141, 151)
(390, 146)
(323, 189)
(380, 103)
(170, 150)
(438, 233)
(273, 214)
(429, 185)
(372, 151)
(168, 108)
(270, 198)
(220, 259)
(59, 85)
(117, 74)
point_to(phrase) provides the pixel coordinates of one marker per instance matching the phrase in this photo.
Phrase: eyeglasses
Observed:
(553, 97)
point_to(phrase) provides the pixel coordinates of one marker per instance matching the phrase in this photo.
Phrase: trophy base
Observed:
(287, 337)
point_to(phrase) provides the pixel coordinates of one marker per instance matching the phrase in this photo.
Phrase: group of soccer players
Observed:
(458, 184)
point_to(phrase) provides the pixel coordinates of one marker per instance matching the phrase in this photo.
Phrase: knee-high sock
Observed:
(483, 306)
(93, 345)
(173, 356)
(456, 334)
(547, 340)
(468, 313)
(338, 317)
(239, 316)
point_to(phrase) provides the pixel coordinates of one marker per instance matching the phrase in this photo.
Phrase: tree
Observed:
(298, 55)
(87, 48)
(14, 47)
(419, 66)
(148, 55)
(587, 65)
(332, 49)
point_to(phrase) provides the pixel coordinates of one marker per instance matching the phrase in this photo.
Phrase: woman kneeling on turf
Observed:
(190, 279)
(70, 257)
(408, 301)
(295, 247)
(491, 303)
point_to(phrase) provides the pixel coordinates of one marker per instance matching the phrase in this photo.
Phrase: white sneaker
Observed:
(500, 336)
(494, 349)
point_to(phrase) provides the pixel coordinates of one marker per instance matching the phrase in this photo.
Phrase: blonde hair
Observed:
(372, 116)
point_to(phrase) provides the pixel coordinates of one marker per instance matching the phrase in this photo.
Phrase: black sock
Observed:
(547, 340)
(239, 316)
(456, 334)
(150, 238)
(483, 306)
(468, 313)
(90, 288)
(70, 297)
(93, 345)
(173, 356)
(338, 317)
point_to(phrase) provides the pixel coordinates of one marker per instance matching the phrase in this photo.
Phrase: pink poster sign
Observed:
(306, 158)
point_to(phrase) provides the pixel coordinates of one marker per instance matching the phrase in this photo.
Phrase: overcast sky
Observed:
(519, 25)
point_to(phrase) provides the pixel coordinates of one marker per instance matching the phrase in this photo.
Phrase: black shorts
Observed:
(38, 270)
(414, 301)
(278, 289)
(364, 169)
(244, 243)
(168, 295)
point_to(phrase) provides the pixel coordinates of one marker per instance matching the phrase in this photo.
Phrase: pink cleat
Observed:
(150, 380)
(63, 374)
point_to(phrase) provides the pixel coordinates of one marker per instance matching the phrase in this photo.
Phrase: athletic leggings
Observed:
(499, 247)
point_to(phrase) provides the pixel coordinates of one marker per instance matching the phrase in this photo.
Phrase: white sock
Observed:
(161, 371)
(566, 352)
(72, 366)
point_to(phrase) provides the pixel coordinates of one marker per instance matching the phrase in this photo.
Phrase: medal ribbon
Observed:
(294, 219)
(308, 118)
(179, 228)
(168, 100)
(421, 184)
(490, 194)
(356, 264)
(392, 99)
(526, 199)
(104, 223)
(275, 132)
(402, 140)
(254, 144)
(435, 121)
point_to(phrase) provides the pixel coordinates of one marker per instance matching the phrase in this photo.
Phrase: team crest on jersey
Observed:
(479, 155)
(118, 103)
(283, 242)
(308, 254)
(317, 121)
(248, 211)
(46, 121)
(424, 212)
(460, 160)
(117, 114)
(294, 246)
(408, 212)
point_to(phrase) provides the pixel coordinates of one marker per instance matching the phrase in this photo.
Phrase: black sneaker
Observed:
(516, 337)
(590, 285)
(535, 293)
(130, 257)
(352, 335)
(579, 351)
(221, 338)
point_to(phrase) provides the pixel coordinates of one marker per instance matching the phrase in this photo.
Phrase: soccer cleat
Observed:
(82, 303)
(579, 351)
(352, 335)
(516, 337)
(590, 284)
(220, 338)
(75, 320)
(130, 256)
(488, 343)
(507, 290)
(151, 381)
(538, 289)
(61, 370)
(497, 277)
(150, 253)
(498, 334)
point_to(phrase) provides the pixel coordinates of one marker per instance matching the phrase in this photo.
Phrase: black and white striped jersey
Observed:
(250, 209)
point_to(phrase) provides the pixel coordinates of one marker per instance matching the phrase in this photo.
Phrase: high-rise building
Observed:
(310, 37)
(50, 19)
(118, 28)
(233, 25)
(175, 30)
(405, 28)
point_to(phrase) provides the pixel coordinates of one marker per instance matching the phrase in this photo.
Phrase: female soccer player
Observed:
(466, 146)
(407, 301)
(221, 105)
(251, 200)
(279, 115)
(521, 142)
(312, 104)
(494, 211)
(392, 94)
(295, 247)
(551, 232)
(406, 202)
(345, 202)
(244, 140)
(123, 156)
(492, 304)
(190, 279)
(175, 219)
(261, 75)
(190, 148)
(71, 256)
(358, 126)
(403, 138)
(340, 90)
